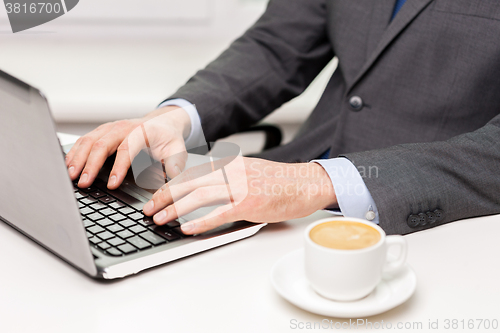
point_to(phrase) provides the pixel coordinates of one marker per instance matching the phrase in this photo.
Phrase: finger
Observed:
(126, 152)
(219, 216)
(175, 160)
(80, 157)
(71, 153)
(81, 149)
(201, 197)
(176, 191)
(100, 151)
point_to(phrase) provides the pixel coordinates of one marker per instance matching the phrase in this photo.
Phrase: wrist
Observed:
(322, 190)
(177, 115)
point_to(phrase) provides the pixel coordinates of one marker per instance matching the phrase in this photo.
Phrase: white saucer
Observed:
(289, 279)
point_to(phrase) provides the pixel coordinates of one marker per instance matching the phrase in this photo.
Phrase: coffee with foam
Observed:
(344, 235)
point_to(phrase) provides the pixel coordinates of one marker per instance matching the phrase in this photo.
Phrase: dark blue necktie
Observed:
(397, 8)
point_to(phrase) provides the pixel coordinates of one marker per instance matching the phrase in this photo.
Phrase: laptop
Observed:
(101, 232)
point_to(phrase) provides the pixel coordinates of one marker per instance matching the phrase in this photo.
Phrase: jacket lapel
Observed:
(379, 22)
(408, 12)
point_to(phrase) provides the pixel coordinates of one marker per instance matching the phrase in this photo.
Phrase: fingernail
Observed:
(83, 178)
(177, 169)
(187, 226)
(112, 181)
(160, 217)
(149, 206)
(71, 170)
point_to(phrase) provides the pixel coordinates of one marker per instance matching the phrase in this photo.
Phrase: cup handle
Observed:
(393, 266)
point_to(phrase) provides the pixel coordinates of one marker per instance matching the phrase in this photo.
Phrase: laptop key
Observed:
(114, 228)
(127, 223)
(116, 241)
(126, 210)
(125, 234)
(152, 238)
(88, 223)
(105, 235)
(107, 211)
(95, 229)
(89, 235)
(95, 240)
(104, 222)
(80, 195)
(86, 210)
(80, 205)
(126, 248)
(107, 199)
(173, 224)
(139, 242)
(113, 251)
(103, 246)
(137, 229)
(146, 221)
(136, 216)
(97, 194)
(115, 205)
(88, 201)
(166, 233)
(88, 189)
(98, 206)
(95, 216)
(117, 217)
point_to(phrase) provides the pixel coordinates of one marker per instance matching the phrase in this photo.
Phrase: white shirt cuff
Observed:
(353, 196)
(196, 138)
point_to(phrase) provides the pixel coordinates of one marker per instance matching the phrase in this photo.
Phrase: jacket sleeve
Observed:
(274, 61)
(418, 186)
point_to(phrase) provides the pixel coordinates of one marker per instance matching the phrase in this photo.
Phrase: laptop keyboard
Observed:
(118, 229)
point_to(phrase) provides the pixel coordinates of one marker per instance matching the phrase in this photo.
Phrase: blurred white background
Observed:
(113, 59)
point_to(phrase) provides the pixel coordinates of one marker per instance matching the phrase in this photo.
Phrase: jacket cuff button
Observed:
(413, 221)
(370, 215)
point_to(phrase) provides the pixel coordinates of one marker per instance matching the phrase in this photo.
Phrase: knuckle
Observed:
(99, 145)
(121, 124)
(201, 193)
(163, 196)
(123, 146)
(101, 127)
(203, 224)
(86, 140)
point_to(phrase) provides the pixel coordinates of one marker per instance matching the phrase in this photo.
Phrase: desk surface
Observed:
(228, 289)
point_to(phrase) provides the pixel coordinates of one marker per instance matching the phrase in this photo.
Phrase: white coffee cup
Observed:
(348, 275)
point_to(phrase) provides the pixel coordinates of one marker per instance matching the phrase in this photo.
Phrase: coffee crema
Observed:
(344, 235)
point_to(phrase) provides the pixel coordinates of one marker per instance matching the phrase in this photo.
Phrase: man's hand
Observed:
(166, 127)
(265, 192)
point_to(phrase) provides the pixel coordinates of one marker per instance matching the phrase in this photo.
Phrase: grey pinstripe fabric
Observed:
(430, 83)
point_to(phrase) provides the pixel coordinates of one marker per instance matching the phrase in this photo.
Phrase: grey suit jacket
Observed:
(428, 83)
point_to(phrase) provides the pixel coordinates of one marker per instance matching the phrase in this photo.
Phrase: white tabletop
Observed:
(228, 289)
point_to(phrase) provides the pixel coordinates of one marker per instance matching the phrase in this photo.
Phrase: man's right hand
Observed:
(166, 129)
